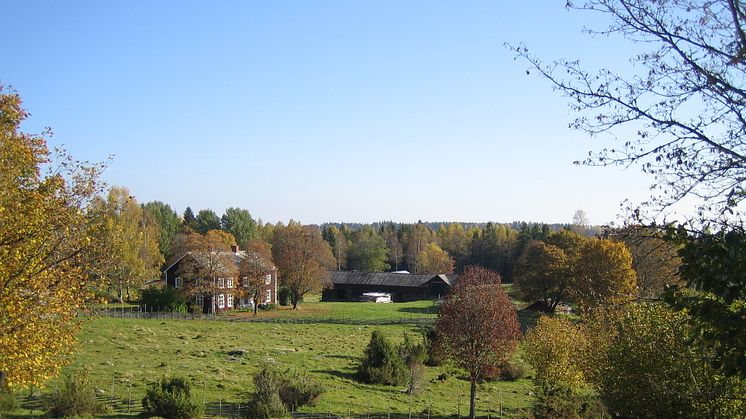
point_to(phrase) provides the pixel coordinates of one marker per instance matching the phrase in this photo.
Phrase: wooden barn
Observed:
(350, 286)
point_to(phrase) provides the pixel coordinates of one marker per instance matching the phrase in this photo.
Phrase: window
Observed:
(268, 279)
(221, 300)
(269, 297)
(200, 300)
(229, 282)
(177, 282)
(245, 282)
(221, 283)
(230, 300)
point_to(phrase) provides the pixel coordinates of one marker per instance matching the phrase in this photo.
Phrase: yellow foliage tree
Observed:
(556, 347)
(43, 238)
(603, 274)
(434, 260)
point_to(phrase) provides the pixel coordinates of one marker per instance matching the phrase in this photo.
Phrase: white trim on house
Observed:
(221, 300)
(230, 300)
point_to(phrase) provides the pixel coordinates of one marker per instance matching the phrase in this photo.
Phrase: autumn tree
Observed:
(207, 267)
(254, 269)
(396, 250)
(168, 223)
(303, 259)
(339, 244)
(456, 241)
(477, 326)
(603, 274)
(557, 349)
(654, 259)
(543, 274)
(368, 251)
(207, 220)
(240, 224)
(419, 237)
(44, 237)
(127, 241)
(434, 260)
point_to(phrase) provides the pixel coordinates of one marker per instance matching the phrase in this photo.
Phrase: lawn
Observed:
(124, 355)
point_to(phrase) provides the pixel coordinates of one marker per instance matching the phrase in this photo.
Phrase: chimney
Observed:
(234, 248)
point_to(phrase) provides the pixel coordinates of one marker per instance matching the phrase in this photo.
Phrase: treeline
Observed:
(386, 246)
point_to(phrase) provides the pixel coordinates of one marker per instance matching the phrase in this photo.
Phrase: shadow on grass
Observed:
(420, 310)
(341, 374)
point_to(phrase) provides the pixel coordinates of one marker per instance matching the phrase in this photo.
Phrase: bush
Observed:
(77, 397)
(429, 335)
(266, 307)
(512, 372)
(166, 299)
(563, 402)
(381, 364)
(8, 401)
(171, 398)
(284, 296)
(278, 392)
(265, 402)
(298, 390)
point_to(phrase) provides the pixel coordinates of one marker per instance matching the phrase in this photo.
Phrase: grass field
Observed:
(124, 355)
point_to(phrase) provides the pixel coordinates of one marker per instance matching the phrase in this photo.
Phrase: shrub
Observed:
(266, 307)
(166, 298)
(381, 363)
(77, 397)
(284, 296)
(512, 371)
(298, 390)
(429, 335)
(265, 402)
(562, 402)
(171, 398)
(8, 401)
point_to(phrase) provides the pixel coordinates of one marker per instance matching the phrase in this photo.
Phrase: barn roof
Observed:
(385, 278)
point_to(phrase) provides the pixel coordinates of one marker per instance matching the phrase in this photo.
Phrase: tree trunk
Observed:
(473, 398)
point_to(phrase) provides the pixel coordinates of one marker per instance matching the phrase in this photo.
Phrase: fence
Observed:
(149, 313)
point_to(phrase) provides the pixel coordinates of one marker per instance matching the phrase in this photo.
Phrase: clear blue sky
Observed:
(319, 110)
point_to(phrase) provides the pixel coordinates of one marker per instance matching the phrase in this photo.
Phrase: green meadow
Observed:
(220, 356)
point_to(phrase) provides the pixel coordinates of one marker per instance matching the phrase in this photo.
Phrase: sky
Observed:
(321, 111)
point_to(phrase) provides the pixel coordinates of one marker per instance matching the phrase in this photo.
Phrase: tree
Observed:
(455, 240)
(368, 251)
(603, 274)
(208, 262)
(381, 363)
(207, 220)
(643, 362)
(434, 260)
(127, 242)
(543, 273)
(44, 240)
(168, 223)
(303, 259)
(417, 239)
(680, 118)
(396, 250)
(188, 220)
(254, 269)
(477, 326)
(337, 240)
(556, 347)
(239, 223)
(654, 259)
(714, 268)
(220, 236)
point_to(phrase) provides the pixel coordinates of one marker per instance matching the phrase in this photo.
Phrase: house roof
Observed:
(385, 278)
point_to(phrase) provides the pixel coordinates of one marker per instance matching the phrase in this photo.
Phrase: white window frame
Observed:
(268, 279)
(177, 282)
(221, 300)
(229, 283)
(200, 300)
(221, 283)
(230, 300)
(268, 300)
